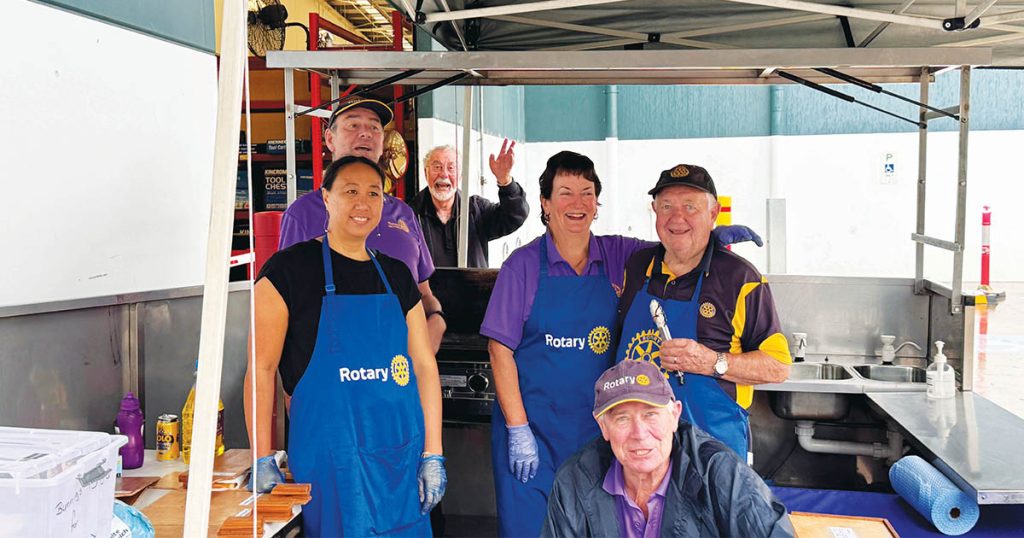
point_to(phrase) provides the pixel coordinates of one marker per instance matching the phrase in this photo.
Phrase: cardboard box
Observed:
(809, 525)
(275, 187)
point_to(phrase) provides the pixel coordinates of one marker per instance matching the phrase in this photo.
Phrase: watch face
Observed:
(721, 366)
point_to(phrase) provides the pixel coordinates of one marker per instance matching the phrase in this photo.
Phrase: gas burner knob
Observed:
(478, 382)
(447, 392)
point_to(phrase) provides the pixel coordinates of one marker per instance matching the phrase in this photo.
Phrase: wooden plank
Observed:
(168, 515)
(808, 525)
(129, 486)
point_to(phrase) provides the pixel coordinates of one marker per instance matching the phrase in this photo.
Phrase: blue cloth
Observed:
(566, 346)
(138, 524)
(933, 495)
(705, 404)
(356, 420)
(995, 520)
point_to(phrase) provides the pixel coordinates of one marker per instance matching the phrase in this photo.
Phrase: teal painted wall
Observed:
(576, 113)
(189, 22)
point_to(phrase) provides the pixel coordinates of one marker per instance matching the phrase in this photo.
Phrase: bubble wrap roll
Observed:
(952, 511)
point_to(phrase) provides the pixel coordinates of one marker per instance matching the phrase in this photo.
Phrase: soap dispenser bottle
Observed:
(940, 377)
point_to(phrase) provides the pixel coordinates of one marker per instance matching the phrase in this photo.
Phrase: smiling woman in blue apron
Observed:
(549, 322)
(345, 328)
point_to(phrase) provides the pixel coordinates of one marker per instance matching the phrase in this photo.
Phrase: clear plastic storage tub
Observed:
(57, 482)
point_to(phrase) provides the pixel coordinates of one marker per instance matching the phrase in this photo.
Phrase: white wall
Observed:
(844, 216)
(106, 140)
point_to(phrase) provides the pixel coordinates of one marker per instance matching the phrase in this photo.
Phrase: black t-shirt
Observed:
(298, 275)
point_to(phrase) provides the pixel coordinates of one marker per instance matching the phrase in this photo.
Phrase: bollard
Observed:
(986, 249)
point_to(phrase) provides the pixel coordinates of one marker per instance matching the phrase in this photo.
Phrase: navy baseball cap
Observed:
(689, 175)
(383, 111)
(631, 381)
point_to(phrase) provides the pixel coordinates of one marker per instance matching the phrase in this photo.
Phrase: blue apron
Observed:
(356, 429)
(704, 401)
(557, 386)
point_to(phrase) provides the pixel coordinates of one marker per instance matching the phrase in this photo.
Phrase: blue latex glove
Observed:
(736, 233)
(137, 522)
(523, 459)
(266, 474)
(433, 481)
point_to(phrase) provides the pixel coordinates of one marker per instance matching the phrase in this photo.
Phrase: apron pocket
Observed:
(390, 487)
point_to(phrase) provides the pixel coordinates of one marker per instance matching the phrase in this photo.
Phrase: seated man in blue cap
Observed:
(653, 474)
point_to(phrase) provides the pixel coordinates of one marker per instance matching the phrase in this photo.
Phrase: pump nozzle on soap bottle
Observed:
(940, 377)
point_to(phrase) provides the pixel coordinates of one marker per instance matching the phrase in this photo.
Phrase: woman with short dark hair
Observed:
(345, 328)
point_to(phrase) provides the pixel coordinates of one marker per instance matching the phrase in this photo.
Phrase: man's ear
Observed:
(677, 411)
(329, 139)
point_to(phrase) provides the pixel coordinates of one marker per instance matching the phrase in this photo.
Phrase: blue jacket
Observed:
(710, 493)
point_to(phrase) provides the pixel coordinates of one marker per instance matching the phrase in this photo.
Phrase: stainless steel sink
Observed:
(890, 373)
(803, 371)
(812, 405)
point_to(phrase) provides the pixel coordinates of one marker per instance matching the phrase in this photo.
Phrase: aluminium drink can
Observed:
(168, 438)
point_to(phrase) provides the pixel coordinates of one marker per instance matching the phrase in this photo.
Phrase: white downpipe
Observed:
(891, 451)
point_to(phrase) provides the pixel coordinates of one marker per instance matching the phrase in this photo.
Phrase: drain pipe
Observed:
(891, 451)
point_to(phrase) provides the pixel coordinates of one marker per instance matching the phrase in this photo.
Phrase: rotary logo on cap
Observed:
(679, 171)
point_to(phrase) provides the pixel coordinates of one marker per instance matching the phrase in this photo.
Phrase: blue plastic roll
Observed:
(952, 511)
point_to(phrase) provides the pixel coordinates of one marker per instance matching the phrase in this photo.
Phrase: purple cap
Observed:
(631, 381)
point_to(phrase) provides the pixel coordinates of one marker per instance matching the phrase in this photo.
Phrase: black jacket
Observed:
(710, 493)
(487, 221)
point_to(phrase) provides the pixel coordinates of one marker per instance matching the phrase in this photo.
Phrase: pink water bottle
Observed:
(131, 422)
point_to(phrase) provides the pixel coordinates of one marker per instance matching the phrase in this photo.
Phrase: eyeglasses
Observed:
(438, 166)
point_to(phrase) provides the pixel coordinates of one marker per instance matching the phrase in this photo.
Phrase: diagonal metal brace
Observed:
(362, 91)
(845, 97)
(429, 88)
(878, 89)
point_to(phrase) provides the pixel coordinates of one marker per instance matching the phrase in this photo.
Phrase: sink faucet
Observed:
(889, 351)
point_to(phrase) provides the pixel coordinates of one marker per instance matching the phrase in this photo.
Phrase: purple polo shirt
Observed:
(398, 235)
(512, 297)
(630, 516)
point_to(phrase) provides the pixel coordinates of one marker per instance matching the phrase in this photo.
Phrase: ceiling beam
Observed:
(800, 5)
(977, 12)
(881, 27)
(633, 37)
(512, 9)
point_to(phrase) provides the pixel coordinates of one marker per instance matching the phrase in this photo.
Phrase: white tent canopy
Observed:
(723, 24)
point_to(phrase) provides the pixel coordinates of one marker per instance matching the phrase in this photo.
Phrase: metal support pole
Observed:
(961, 189)
(215, 283)
(922, 178)
(316, 131)
(467, 133)
(289, 134)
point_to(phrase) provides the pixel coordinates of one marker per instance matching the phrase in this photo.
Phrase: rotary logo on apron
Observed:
(399, 373)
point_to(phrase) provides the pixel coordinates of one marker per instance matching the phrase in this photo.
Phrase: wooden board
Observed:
(129, 486)
(168, 514)
(809, 525)
(232, 463)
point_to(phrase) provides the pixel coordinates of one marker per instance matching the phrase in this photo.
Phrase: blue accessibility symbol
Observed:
(890, 168)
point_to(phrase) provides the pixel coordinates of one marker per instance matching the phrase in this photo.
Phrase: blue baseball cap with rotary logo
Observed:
(631, 381)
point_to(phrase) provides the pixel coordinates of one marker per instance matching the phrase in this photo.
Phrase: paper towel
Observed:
(952, 511)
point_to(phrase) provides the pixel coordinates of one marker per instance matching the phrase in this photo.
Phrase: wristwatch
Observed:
(721, 365)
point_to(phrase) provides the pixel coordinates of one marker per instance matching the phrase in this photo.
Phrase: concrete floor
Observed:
(1000, 369)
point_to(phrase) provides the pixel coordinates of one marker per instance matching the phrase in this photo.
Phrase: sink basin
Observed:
(812, 405)
(803, 371)
(893, 374)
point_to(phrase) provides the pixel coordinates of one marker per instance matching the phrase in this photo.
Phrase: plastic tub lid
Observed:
(32, 453)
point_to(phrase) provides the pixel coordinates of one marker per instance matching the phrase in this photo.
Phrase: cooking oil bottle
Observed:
(187, 414)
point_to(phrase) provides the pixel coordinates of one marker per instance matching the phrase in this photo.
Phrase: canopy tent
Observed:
(723, 24)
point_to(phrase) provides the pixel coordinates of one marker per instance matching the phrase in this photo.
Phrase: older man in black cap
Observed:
(703, 314)
(655, 475)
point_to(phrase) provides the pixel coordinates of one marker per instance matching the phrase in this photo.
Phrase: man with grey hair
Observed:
(437, 206)
(652, 474)
(717, 333)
